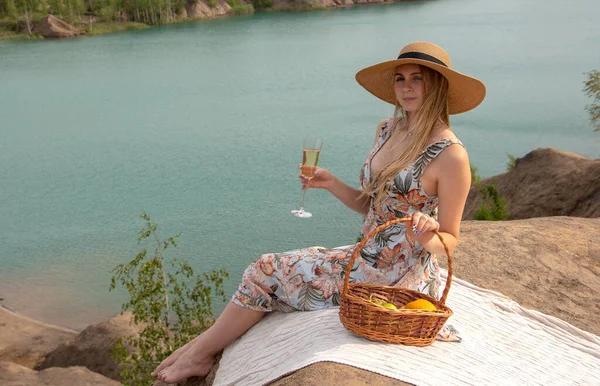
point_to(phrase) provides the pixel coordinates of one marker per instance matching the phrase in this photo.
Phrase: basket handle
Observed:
(361, 245)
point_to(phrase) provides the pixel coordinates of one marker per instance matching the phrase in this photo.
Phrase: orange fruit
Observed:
(420, 304)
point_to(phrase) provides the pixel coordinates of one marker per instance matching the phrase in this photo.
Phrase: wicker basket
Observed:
(406, 326)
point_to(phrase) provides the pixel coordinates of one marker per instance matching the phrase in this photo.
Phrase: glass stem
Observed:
(303, 196)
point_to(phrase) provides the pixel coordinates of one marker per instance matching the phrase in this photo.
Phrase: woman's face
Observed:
(409, 87)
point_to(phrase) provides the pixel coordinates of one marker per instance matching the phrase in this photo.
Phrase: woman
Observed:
(417, 168)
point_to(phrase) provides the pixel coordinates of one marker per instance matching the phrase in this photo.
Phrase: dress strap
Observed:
(429, 154)
(385, 132)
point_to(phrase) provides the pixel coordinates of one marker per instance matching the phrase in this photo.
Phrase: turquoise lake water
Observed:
(201, 125)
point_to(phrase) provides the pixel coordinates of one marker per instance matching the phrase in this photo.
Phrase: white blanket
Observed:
(503, 344)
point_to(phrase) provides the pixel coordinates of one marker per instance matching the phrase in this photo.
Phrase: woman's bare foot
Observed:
(173, 357)
(191, 363)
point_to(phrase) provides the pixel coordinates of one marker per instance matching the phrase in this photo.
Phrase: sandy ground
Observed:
(24, 340)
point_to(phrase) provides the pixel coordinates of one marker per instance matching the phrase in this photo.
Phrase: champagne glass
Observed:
(310, 158)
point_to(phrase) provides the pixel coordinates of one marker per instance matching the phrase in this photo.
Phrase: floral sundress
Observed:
(313, 278)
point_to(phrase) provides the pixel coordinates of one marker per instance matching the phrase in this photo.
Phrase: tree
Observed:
(24, 8)
(172, 305)
(592, 89)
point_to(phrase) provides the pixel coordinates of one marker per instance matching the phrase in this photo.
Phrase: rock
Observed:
(549, 264)
(200, 9)
(546, 182)
(25, 341)
(285, 5)
(343, 2)
(92, 347)
(369, 1)
(330, 373)
(12, 374)
(54, 28)
(323, 3)
(182, 15)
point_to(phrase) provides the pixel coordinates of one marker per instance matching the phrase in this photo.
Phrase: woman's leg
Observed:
(274, 281)
(198, 359)
(247, 293)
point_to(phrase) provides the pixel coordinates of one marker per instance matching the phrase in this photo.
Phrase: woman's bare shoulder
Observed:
(454, 154)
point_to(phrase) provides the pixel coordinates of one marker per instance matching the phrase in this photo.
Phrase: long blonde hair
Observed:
(421, 123)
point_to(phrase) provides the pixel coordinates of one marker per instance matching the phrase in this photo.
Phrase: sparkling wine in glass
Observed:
(310, 158)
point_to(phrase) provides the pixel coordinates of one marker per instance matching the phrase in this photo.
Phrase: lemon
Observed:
(420, 304)
(382, 303)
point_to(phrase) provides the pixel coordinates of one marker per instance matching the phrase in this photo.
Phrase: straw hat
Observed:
(464, 93)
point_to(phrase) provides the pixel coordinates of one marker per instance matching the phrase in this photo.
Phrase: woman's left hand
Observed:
(422, 223)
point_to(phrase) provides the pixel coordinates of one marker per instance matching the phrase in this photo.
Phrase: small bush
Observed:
(510, 164)
(171, 303)
(242, 9)
(100, 28)
(262, 4)
(493, 207)
(592, 89)
(475, 178)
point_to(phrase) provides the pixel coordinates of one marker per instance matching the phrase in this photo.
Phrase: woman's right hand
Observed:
(323, 179)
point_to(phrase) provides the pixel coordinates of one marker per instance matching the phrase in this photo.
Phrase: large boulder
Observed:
(52, 27)
(322, 373)
(546, 182)
(201, 9)
(12, 374)
(331, 373)
(92, 347)
(549, 264)
(25, 341)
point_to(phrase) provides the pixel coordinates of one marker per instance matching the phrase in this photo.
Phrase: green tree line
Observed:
(21, 14)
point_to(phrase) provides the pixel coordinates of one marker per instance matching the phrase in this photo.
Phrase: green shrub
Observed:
(510, 164)
(173, 305)
(262, 4)
(493, 207)
(592, 89)
(100, 28)
(475, 178)
(242, 9)
(239, 7)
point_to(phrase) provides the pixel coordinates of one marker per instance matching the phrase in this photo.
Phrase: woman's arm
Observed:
(348, 195)
(454, 182)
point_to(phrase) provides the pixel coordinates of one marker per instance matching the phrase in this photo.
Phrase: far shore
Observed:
(101, 27)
